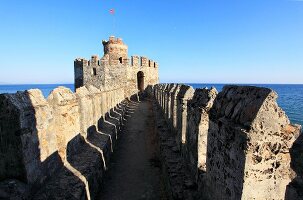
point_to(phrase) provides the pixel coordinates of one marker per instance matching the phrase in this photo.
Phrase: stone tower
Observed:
(114, 71)
(116, 50)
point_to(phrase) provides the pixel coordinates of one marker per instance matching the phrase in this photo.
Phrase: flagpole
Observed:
(112, 12)
(114, 24)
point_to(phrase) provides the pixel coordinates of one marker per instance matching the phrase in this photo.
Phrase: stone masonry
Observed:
(115, 70)
(237, 144)
(59, 147)
(42, 138)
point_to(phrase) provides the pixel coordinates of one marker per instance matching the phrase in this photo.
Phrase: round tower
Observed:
(116, 49)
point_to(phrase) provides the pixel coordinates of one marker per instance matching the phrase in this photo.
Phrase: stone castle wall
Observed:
(69, 136)
(237, 144)
(115, 70)
(66, 137)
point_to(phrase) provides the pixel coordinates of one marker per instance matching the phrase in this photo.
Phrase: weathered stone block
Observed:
(86, 110)
(248, 145)
(65, 109)
(185, 93)
(96, 96)
(31, 142)
(195, 147)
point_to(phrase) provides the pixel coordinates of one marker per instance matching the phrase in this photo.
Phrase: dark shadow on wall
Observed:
(102, 141)
(107, 129)
(173, 105)
(190, 146)
(294, 189)
(167, 101)
(22, 171)
(114, 119)
(10, 149)
(163, 97)
(87, 160)
(181, 116)
(227, 142)
(140, 96)
(232, 122)
(91, 155)
(170, 99)
(52, 178)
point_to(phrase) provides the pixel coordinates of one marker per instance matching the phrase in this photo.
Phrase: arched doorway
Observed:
(140, 81)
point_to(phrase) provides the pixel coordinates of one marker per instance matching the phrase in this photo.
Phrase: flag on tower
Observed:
(112, 11)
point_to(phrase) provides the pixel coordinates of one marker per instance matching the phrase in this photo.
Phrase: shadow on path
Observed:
(134, 171)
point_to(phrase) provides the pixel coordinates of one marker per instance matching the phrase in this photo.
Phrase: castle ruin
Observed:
(233, 144)
(115, 70)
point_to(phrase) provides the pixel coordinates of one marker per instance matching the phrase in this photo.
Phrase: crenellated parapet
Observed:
(82, 62)
(156, 65)
(116, 49)
(236, 144)
(114, 69)
(144, 61)
(135, 61)
(46, 140)
(151, 63)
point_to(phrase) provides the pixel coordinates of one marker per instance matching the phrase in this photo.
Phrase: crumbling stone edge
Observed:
(59, 147)
(236, 144)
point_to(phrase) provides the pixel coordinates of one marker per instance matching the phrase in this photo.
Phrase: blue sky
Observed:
(201, 41)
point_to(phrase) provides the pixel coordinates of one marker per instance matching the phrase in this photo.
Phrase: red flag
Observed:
(112, 11)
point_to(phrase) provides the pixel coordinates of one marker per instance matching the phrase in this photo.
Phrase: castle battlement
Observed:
(113, 40)
(235, 144)
(136, 61)
(115, 68)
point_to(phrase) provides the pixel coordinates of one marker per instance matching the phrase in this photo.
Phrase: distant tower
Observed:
(116, 50)
(115, 71)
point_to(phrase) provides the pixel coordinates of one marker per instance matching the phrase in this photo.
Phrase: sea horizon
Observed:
(290, 96)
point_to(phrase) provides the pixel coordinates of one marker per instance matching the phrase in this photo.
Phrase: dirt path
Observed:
(135, 168)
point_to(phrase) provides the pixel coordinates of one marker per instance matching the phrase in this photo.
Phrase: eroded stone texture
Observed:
(174, 103)
(65, 109)
(195, 147)
(185, 93)
(163, 96)
(248, 145)
(86, 110)
(161, 89)
(238, 145)
(96, 96)
(46, 142)
(179, 184)
(71, 134)
(294, 189)
(168, 92)
(27, 130)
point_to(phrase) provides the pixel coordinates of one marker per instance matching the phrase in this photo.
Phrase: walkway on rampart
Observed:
(135, 167)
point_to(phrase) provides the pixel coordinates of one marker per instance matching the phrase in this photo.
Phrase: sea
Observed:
(290, 95)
